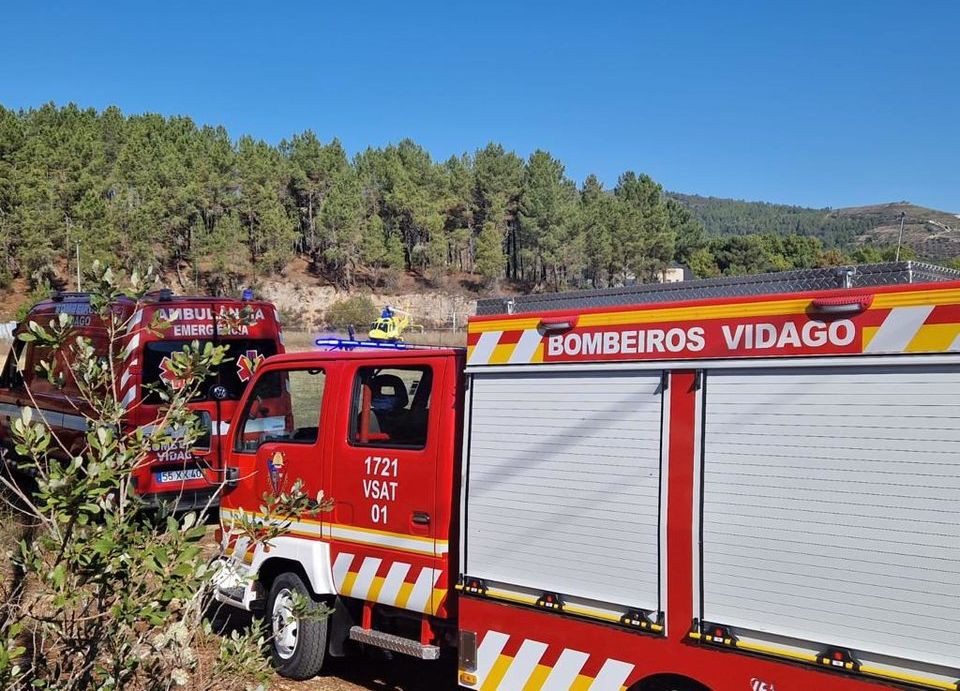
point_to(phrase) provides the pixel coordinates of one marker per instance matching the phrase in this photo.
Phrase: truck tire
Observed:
(297, 647)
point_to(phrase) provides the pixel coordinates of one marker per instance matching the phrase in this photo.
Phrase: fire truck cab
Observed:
(176, 475)
(378, 431)
(746, 484)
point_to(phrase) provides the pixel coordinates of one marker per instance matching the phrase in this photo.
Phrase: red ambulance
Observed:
(176, 474)
(745, 484)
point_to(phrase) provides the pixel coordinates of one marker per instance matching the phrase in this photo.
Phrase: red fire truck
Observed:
(187, 477)
(745, 484)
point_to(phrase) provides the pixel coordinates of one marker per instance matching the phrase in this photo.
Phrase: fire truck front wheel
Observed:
(298, 641)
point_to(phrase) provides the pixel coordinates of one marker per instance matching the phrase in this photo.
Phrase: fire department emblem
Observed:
(276, 467)
(169, 376)
(247, 364)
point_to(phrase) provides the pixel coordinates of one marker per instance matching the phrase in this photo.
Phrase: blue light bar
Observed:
(348, 344)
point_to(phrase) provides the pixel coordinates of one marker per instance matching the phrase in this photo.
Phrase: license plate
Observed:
(179, 475)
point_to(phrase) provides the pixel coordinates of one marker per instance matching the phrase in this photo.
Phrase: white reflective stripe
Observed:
(524, 662)
(404, 542)
(125, 377)
(340, 568)
(898, 329)
(78, 423)
(307, 528)
(956, 343)
(407, 543)
(565, 671)
(484, 348)
(364, 579)
(129, 397)
(612, 675)
(132, 345)
(134, 320)
(423, 589)
(7, 410)
(393, 582)
(273, 423)
(487, 653)
(526, 347)
(51, 418)
(223, 429)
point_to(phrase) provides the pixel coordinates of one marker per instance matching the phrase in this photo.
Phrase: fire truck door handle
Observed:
(421, 518)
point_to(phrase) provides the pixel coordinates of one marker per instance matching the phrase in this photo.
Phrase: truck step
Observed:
(395, 644)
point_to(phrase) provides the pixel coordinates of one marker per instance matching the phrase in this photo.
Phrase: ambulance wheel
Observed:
(297, 646)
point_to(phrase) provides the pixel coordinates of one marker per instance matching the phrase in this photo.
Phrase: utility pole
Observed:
(900, 237)
(78, 267)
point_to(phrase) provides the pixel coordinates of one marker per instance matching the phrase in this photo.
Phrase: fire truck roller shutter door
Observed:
(563, 484)
(831, 506)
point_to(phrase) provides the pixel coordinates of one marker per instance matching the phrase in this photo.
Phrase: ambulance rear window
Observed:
(243, 358)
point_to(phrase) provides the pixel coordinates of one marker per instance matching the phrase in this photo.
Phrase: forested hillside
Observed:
(212, 212)
(929, 233)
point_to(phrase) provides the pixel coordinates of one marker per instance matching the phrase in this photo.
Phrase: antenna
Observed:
(78, 267)
(900, 237)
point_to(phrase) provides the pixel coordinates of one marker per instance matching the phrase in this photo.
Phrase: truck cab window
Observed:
(284, 406)
(391, 407)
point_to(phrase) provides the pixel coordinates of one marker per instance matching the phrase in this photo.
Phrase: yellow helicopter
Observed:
(391, 324)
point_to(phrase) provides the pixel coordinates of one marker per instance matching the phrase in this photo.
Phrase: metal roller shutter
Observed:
(563, 484)
(831, 506)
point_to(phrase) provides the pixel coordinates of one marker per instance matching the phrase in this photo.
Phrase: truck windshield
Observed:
(243, 357)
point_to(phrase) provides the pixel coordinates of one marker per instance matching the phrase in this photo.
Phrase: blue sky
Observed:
(805, 102)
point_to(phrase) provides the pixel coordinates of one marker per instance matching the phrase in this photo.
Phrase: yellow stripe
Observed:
(911, 678)
(374, 593)
(933, 338)
(404, 595)
(511, 597)
(330, 526)
(430, 546)
(537, 678)
(470, 349)
(916, 297)
(581, 683)
(754, 309)
(438, 595)
(495, 676)
(586, 612)
(868, 333)
(772, 650)
(501, 353)
(508, 324)
(538, 353)
(348, 580)
(385, 533)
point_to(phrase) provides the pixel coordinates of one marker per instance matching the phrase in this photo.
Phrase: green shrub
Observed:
(106, 594)
(357, 311)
